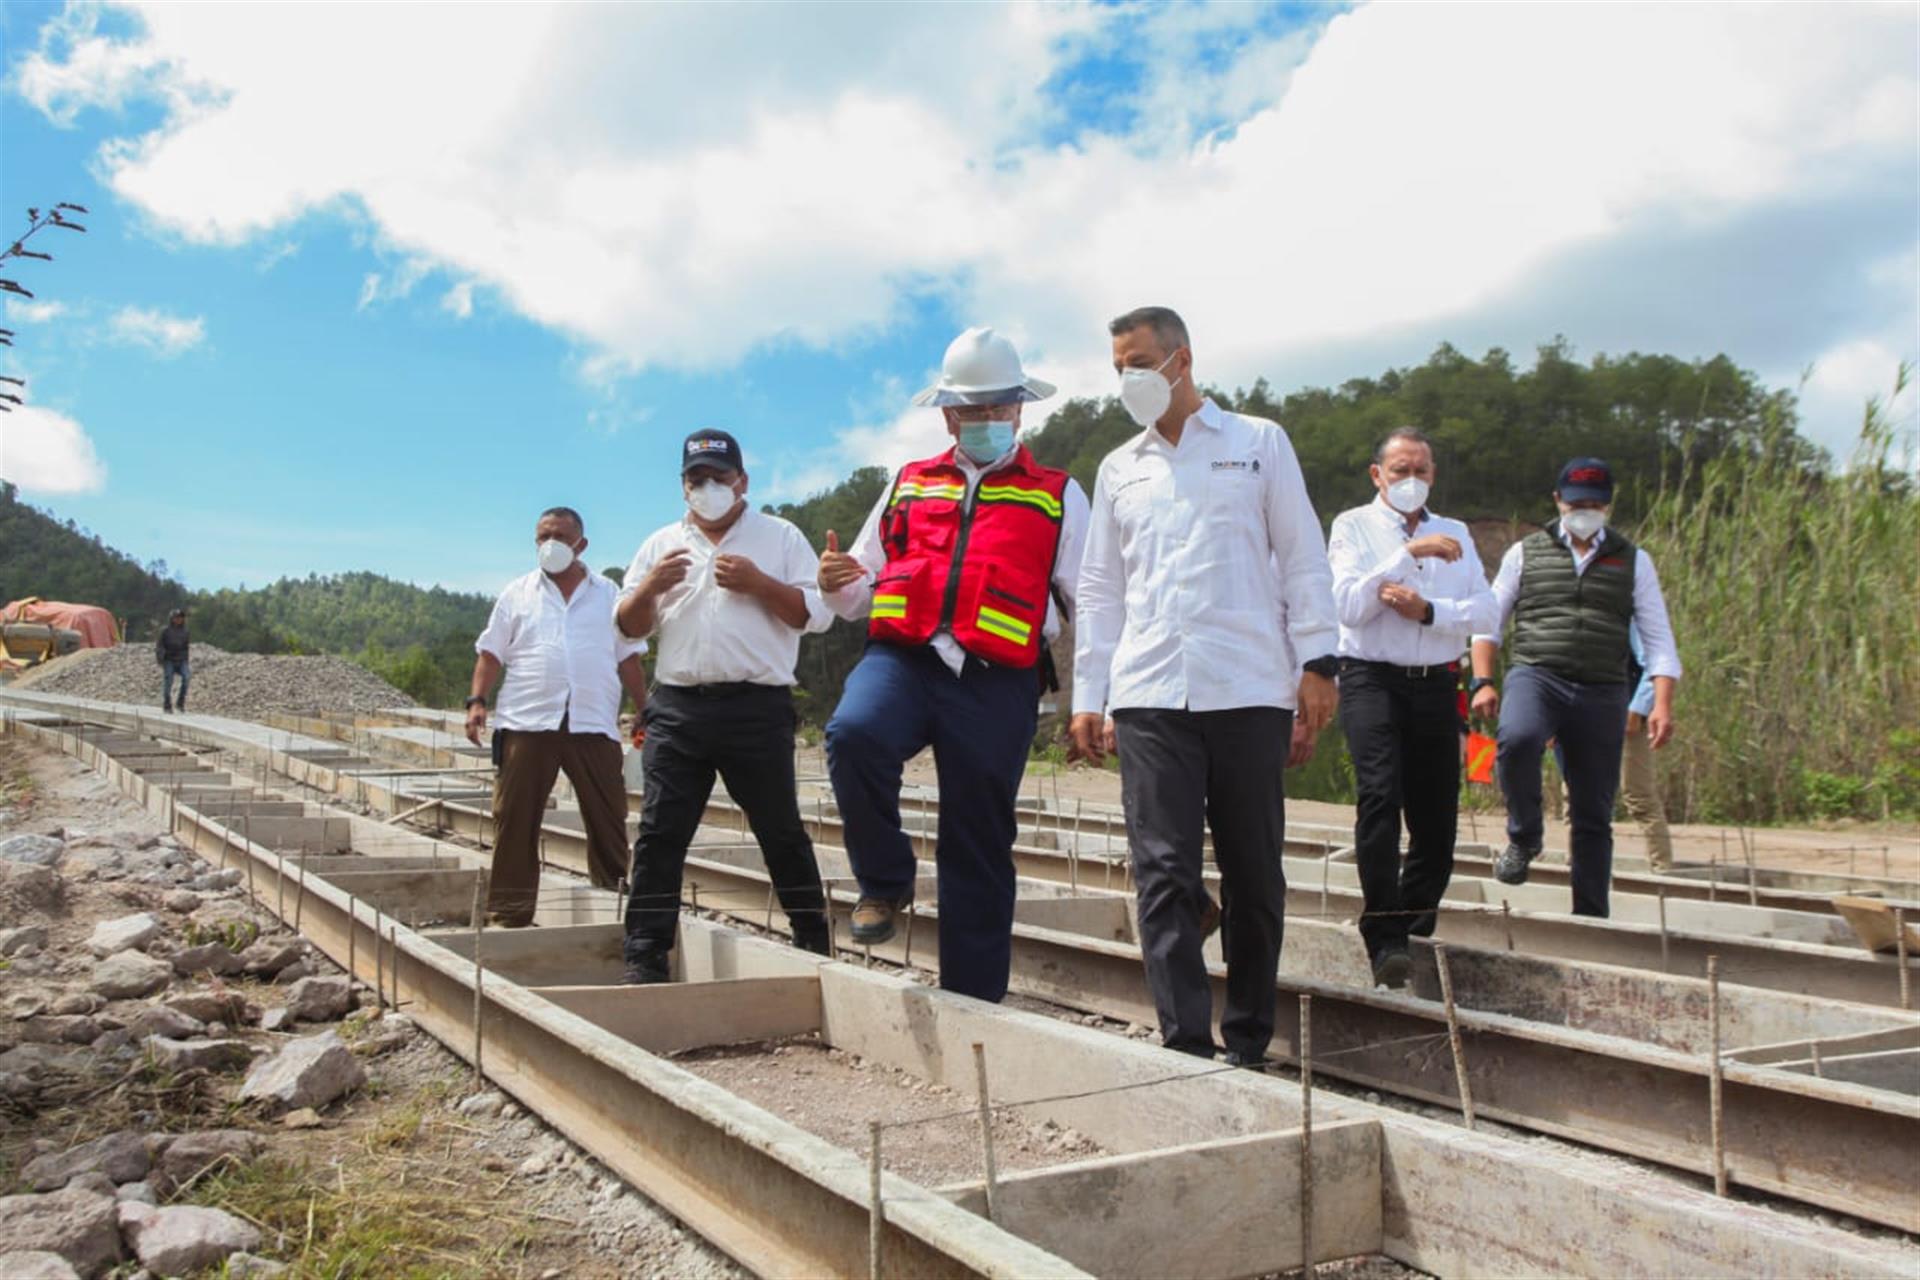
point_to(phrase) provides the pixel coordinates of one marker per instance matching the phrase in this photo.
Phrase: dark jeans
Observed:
(744, 733)
(1403, 733)
(1590, 723)
(1182, 772)
(169, 668)
(980, 725)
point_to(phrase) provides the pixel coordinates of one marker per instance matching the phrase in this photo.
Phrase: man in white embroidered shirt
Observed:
(1204, 557)
(1575, 591)
(728, 591)
(553, 633)
(1411, 593)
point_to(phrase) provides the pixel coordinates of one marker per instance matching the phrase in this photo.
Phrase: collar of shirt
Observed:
(697, 537)
(1397, 520)
(1206, 416)
(1580, 558)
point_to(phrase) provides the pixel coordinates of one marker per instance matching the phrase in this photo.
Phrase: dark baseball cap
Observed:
(710, 449)
(1586, 480)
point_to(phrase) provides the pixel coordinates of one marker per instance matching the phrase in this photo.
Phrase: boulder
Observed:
(77, 1225)
(265, 958)
(203, 1055)
(129, 975)
(21, 1005)
(31, 885)
(208, 957)
(320, 999)
(36, 1264)
(132, 932)
(191, 1154)
(216, 881)
(211, 1006)
(121, 1157)
(181, 902)
(104, 864)
(160, 1020)
(277, 1019)
(36, 1060)
(98, 1183)
(77, 1002)
(293, 973)
(309, 1072)
(180, 1240)
(31, 850)
(30, 935)
(483, 1104)
(142, 1191)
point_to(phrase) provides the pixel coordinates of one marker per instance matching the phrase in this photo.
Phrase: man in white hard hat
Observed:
(964, 570)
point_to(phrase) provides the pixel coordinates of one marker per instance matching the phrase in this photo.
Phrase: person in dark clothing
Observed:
(170, 651)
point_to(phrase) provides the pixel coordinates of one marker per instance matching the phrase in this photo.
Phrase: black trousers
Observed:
(1182, 772)
(743, 732)
(1403, 733)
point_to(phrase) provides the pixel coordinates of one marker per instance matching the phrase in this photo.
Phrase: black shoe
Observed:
(1392, 967)
(1245, 1061)
(814, 942)
(1511, 866)
(167, 707)
(647, 971)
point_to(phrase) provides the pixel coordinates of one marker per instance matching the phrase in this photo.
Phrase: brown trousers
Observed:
(529, 763)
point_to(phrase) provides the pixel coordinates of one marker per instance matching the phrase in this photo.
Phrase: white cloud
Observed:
(1840, 382)
(45, 451)
(163, 334)
(35, 312)
(670, 186)
(458, 301)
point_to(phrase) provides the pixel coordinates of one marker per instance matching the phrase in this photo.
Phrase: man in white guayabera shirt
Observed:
(1204, 560)
(1411, 594)
(553, 633)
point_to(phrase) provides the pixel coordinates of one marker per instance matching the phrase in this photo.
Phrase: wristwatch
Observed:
(1325, 667)
(480, 698)
(1478, 683)
(1426, 619)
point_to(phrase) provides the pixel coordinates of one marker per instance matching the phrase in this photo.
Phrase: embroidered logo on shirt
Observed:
(1238, 464)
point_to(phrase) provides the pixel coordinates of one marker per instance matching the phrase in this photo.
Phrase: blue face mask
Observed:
(985, 441)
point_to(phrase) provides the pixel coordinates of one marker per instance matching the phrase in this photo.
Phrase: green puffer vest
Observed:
(1575, 625)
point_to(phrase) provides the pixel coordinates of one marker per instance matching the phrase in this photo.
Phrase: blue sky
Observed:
(370, 293)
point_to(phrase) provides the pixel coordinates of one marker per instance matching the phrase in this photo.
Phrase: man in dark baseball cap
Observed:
(1575, 591)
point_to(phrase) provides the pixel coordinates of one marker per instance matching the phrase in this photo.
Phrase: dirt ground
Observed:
(396, 1179)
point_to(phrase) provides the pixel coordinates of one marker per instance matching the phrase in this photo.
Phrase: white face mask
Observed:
(1146, 394)
(1584, 523)
(556, 557)
(711, 500)
(1407, 496)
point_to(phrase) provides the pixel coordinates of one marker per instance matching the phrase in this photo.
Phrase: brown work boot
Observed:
(873, 919)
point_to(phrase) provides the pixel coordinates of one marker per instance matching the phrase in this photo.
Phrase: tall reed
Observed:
(1795, 596)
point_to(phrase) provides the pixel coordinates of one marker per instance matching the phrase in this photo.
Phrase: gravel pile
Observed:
(244, 685)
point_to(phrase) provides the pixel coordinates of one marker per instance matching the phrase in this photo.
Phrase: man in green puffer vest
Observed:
(1573, 591)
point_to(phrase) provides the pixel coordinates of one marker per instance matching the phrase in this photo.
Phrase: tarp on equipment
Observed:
(95, 625)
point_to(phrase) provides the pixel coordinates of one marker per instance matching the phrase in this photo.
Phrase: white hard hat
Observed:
(981, 367)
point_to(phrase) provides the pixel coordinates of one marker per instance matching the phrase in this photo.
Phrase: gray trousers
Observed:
(1182, 772)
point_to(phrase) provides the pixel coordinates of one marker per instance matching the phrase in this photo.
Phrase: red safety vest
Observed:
(982, 568)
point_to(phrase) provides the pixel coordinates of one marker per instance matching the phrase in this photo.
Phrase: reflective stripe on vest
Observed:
(979, 567)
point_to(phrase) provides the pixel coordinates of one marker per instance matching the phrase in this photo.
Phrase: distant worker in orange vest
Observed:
(964, 570)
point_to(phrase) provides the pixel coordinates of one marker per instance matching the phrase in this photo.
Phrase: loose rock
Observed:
(181, 902)
(310, 1072)
(211, 1006)
(182, 1239)
(247, 1266)
(265, 958)
(483, 1104)
(132, 932)
(33, 850)
(277, 1019)
(121, 1157)
(31, 886)
(298, 971)
(77, 1002)
(319, 999)
(191, 1154)
(77, 1225)
(31, 935)
(130, 975)
(142, 1191)
(36, 1264)
(205, 1055)
(216, 881)
(208, 957)
(74, 1029)
(303, 1118)
(162, 1020)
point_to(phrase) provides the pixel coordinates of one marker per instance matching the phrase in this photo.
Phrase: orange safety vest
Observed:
(979, 566)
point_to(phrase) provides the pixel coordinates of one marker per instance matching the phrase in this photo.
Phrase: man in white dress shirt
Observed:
(1411, 594)
(727, 591)
(1204, 559)
(553, 633)
(962, 572)
(1574, 590)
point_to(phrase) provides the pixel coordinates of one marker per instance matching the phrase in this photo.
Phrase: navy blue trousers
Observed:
(980, 725)
(1589, 724)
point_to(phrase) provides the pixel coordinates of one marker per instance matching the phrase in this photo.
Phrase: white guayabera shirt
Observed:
(561, 655)
(1368, 548)
(1205, 580)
